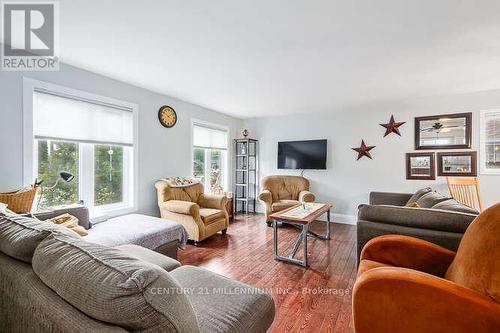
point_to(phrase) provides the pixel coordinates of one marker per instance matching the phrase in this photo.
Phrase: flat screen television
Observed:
(310, 154)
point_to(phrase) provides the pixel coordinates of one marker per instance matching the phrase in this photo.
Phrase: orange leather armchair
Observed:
(406, 284)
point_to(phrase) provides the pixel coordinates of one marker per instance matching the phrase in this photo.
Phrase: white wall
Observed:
(347, 182)
(162, 152)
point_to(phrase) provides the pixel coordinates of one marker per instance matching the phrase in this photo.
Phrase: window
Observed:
(210, 157)
(90, 138)
(490, 142)
(54, 156)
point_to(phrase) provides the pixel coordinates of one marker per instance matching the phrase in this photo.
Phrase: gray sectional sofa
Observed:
(433, 217)
(52, 280)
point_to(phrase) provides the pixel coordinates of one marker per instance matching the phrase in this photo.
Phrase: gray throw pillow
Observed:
(455, 206)
(430, 199)
(110, 286)
(20, 235)
(417, 195)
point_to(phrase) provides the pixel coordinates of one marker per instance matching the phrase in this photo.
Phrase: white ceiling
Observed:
(258, 58)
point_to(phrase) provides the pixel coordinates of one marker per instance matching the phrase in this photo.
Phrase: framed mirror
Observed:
(447, 131)
(457, 164)
(420, 166)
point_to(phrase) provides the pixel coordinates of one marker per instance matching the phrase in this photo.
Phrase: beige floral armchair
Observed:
(281, 192)
(203, 215)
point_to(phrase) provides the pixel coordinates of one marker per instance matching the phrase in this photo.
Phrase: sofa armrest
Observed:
(266, 197)
(389, 198)
(161, 190)
(243, 308)
(423, 218)
(150, 256)
(212, 201)
(409, 252)
(78, 211)
(306, 196)
(182, 207)
(390, 299)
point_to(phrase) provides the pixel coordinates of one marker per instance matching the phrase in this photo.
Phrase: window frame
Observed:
(86, 158)
(226, 161)
(482, 143)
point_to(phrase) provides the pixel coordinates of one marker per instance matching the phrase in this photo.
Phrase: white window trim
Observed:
(29, 172)
(228, 159)
(482, 143)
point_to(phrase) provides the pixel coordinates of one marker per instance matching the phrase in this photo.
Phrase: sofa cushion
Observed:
(150, 256)
(283, 204)
(110, 286)
(210, 215)
(455, 206)
(186, 193)
(430, 199)
(418, 194)
(20, 235)
(423, 218)
(225, 305)
(285, 187)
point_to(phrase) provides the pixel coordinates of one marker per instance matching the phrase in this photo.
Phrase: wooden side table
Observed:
(229, 209)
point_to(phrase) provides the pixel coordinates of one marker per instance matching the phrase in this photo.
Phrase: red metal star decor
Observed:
(392, 126)
(364, 150)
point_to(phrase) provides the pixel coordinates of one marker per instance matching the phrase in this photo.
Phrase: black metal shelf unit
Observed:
(245, 191)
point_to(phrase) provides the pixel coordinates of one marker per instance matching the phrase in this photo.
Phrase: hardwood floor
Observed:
(316, 299)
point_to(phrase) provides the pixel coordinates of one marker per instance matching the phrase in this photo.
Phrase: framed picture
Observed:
(457, 164)
(446, 131)
(489, 142)
(420, 166)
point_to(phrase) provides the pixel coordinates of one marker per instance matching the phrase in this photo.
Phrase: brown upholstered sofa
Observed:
(203, 215)
(407, 284)
(52, 280)
(281, 192)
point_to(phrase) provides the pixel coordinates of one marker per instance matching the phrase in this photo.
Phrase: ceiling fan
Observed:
(439, 127)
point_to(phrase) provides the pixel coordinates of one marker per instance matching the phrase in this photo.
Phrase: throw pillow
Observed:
(455, 206)
(70, 222)
(413, 205)
(417, 195)
(430, 199)
(108, 285)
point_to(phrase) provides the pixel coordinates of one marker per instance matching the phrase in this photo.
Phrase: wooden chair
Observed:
(466, 191)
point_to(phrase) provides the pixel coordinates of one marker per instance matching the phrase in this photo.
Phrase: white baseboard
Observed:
(341, 218)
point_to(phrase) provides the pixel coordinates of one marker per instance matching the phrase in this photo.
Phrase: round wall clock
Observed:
(167, 116)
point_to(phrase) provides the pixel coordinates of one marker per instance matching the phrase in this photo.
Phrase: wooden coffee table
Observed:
(302, 221)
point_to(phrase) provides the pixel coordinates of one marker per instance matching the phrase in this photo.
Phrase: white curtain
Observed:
(64, 118)
(205, 137)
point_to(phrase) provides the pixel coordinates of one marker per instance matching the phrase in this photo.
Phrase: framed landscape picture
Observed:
(420, 166)
(457, 164)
